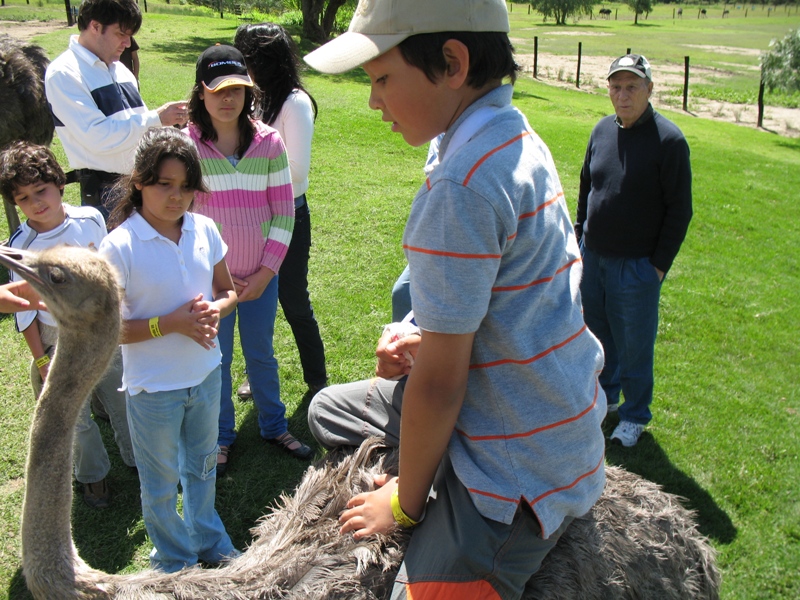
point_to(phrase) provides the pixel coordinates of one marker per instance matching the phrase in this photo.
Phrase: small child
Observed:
(500, 414)
(31, 177)
(171, 266)
(247, 172)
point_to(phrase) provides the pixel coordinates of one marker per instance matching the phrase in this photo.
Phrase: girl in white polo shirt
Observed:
(171, 266)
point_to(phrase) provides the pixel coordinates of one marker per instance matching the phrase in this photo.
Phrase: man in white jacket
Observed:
(98, 111)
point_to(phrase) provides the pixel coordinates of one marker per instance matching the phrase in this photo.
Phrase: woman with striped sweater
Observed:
(246, 169)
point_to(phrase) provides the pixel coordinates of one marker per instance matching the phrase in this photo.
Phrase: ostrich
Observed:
(26, 114)
(636, 542)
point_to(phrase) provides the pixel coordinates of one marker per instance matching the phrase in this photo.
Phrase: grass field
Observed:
(725, 432)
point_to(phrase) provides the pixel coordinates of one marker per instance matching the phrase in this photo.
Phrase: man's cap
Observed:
(221, 66)
(634, 63)
(379, 25)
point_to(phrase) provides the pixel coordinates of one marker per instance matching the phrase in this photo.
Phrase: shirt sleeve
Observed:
(281, 203)
(676, 185)
(72, 104)
(297, 130)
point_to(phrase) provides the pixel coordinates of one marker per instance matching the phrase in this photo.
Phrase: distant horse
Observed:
(605, 13)
(702, 12)
(680, 13)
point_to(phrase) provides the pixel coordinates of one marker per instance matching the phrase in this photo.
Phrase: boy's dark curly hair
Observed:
(24, 163)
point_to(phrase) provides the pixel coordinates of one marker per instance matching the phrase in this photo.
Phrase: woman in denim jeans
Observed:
(272, 60)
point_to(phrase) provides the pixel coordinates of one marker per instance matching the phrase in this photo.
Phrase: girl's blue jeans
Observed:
(174, 437)
(256, 330)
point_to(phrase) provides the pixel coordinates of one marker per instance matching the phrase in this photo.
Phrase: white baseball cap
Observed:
(379, 25)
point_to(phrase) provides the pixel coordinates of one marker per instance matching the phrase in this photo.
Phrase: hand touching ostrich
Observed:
(636, 542)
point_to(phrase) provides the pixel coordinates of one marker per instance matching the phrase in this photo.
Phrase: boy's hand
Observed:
(186, 321)
(391, 353)
(371, 512)
(19, 295)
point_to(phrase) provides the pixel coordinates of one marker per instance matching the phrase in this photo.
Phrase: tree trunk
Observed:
(312, 24)
(319, 17)
(329, 18)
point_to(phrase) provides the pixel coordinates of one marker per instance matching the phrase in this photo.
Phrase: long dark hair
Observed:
(272, 59)
(157, 145)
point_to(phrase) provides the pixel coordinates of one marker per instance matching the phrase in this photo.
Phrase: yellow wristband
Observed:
(397, 512)
(154, 329)
(42, 361)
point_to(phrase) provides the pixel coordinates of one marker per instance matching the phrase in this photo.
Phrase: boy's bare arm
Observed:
(34, 341)
(431, 403)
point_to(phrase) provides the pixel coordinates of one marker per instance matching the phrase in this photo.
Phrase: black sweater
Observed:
(635, 196)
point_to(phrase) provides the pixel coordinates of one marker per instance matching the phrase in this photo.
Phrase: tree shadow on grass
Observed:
(650, 461)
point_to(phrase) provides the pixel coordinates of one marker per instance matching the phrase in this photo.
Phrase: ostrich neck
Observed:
(81, 359)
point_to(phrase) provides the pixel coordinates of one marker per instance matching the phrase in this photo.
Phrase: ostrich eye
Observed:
(57, 275)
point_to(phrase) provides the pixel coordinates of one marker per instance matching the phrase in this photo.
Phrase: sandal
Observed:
(290, 444)
(222, 466)
(97, 495)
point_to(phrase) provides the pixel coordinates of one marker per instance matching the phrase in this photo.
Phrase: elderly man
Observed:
(634, 207)
(99, 115)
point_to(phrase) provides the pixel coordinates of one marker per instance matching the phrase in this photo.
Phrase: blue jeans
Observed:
(620, 306)
(175, 441)
(295, 301)
(401, 296)
(256, 330)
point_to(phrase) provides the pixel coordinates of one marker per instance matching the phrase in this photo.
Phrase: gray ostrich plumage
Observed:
(25, 114)
(637, 542)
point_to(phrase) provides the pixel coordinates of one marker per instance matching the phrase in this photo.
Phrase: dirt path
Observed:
(561, 71)
(25, 30)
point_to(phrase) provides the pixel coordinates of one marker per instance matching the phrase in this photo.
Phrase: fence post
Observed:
(628, 51)
(578, 74)
(70, 22)
(761, 104)
(535, 57)
(686, 83)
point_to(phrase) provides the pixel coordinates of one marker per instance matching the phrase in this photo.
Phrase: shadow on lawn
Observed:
(650, 461)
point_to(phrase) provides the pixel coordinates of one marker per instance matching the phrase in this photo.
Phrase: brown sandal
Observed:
(290, 444)
(222, 466)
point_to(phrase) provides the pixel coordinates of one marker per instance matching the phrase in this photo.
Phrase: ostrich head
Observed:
(77, 285)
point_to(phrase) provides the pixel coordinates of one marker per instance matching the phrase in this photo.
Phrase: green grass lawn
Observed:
(725, 430)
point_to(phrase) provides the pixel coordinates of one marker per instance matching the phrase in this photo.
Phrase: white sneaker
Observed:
(627, 433)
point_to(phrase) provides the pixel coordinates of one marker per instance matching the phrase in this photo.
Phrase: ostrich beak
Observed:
(15, 261)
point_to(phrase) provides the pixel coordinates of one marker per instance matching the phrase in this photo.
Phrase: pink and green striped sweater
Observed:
(251, 203)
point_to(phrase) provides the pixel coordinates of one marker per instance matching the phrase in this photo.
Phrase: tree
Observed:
(780, 65)
(319, 17)
(561, 9)
(639, 7)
